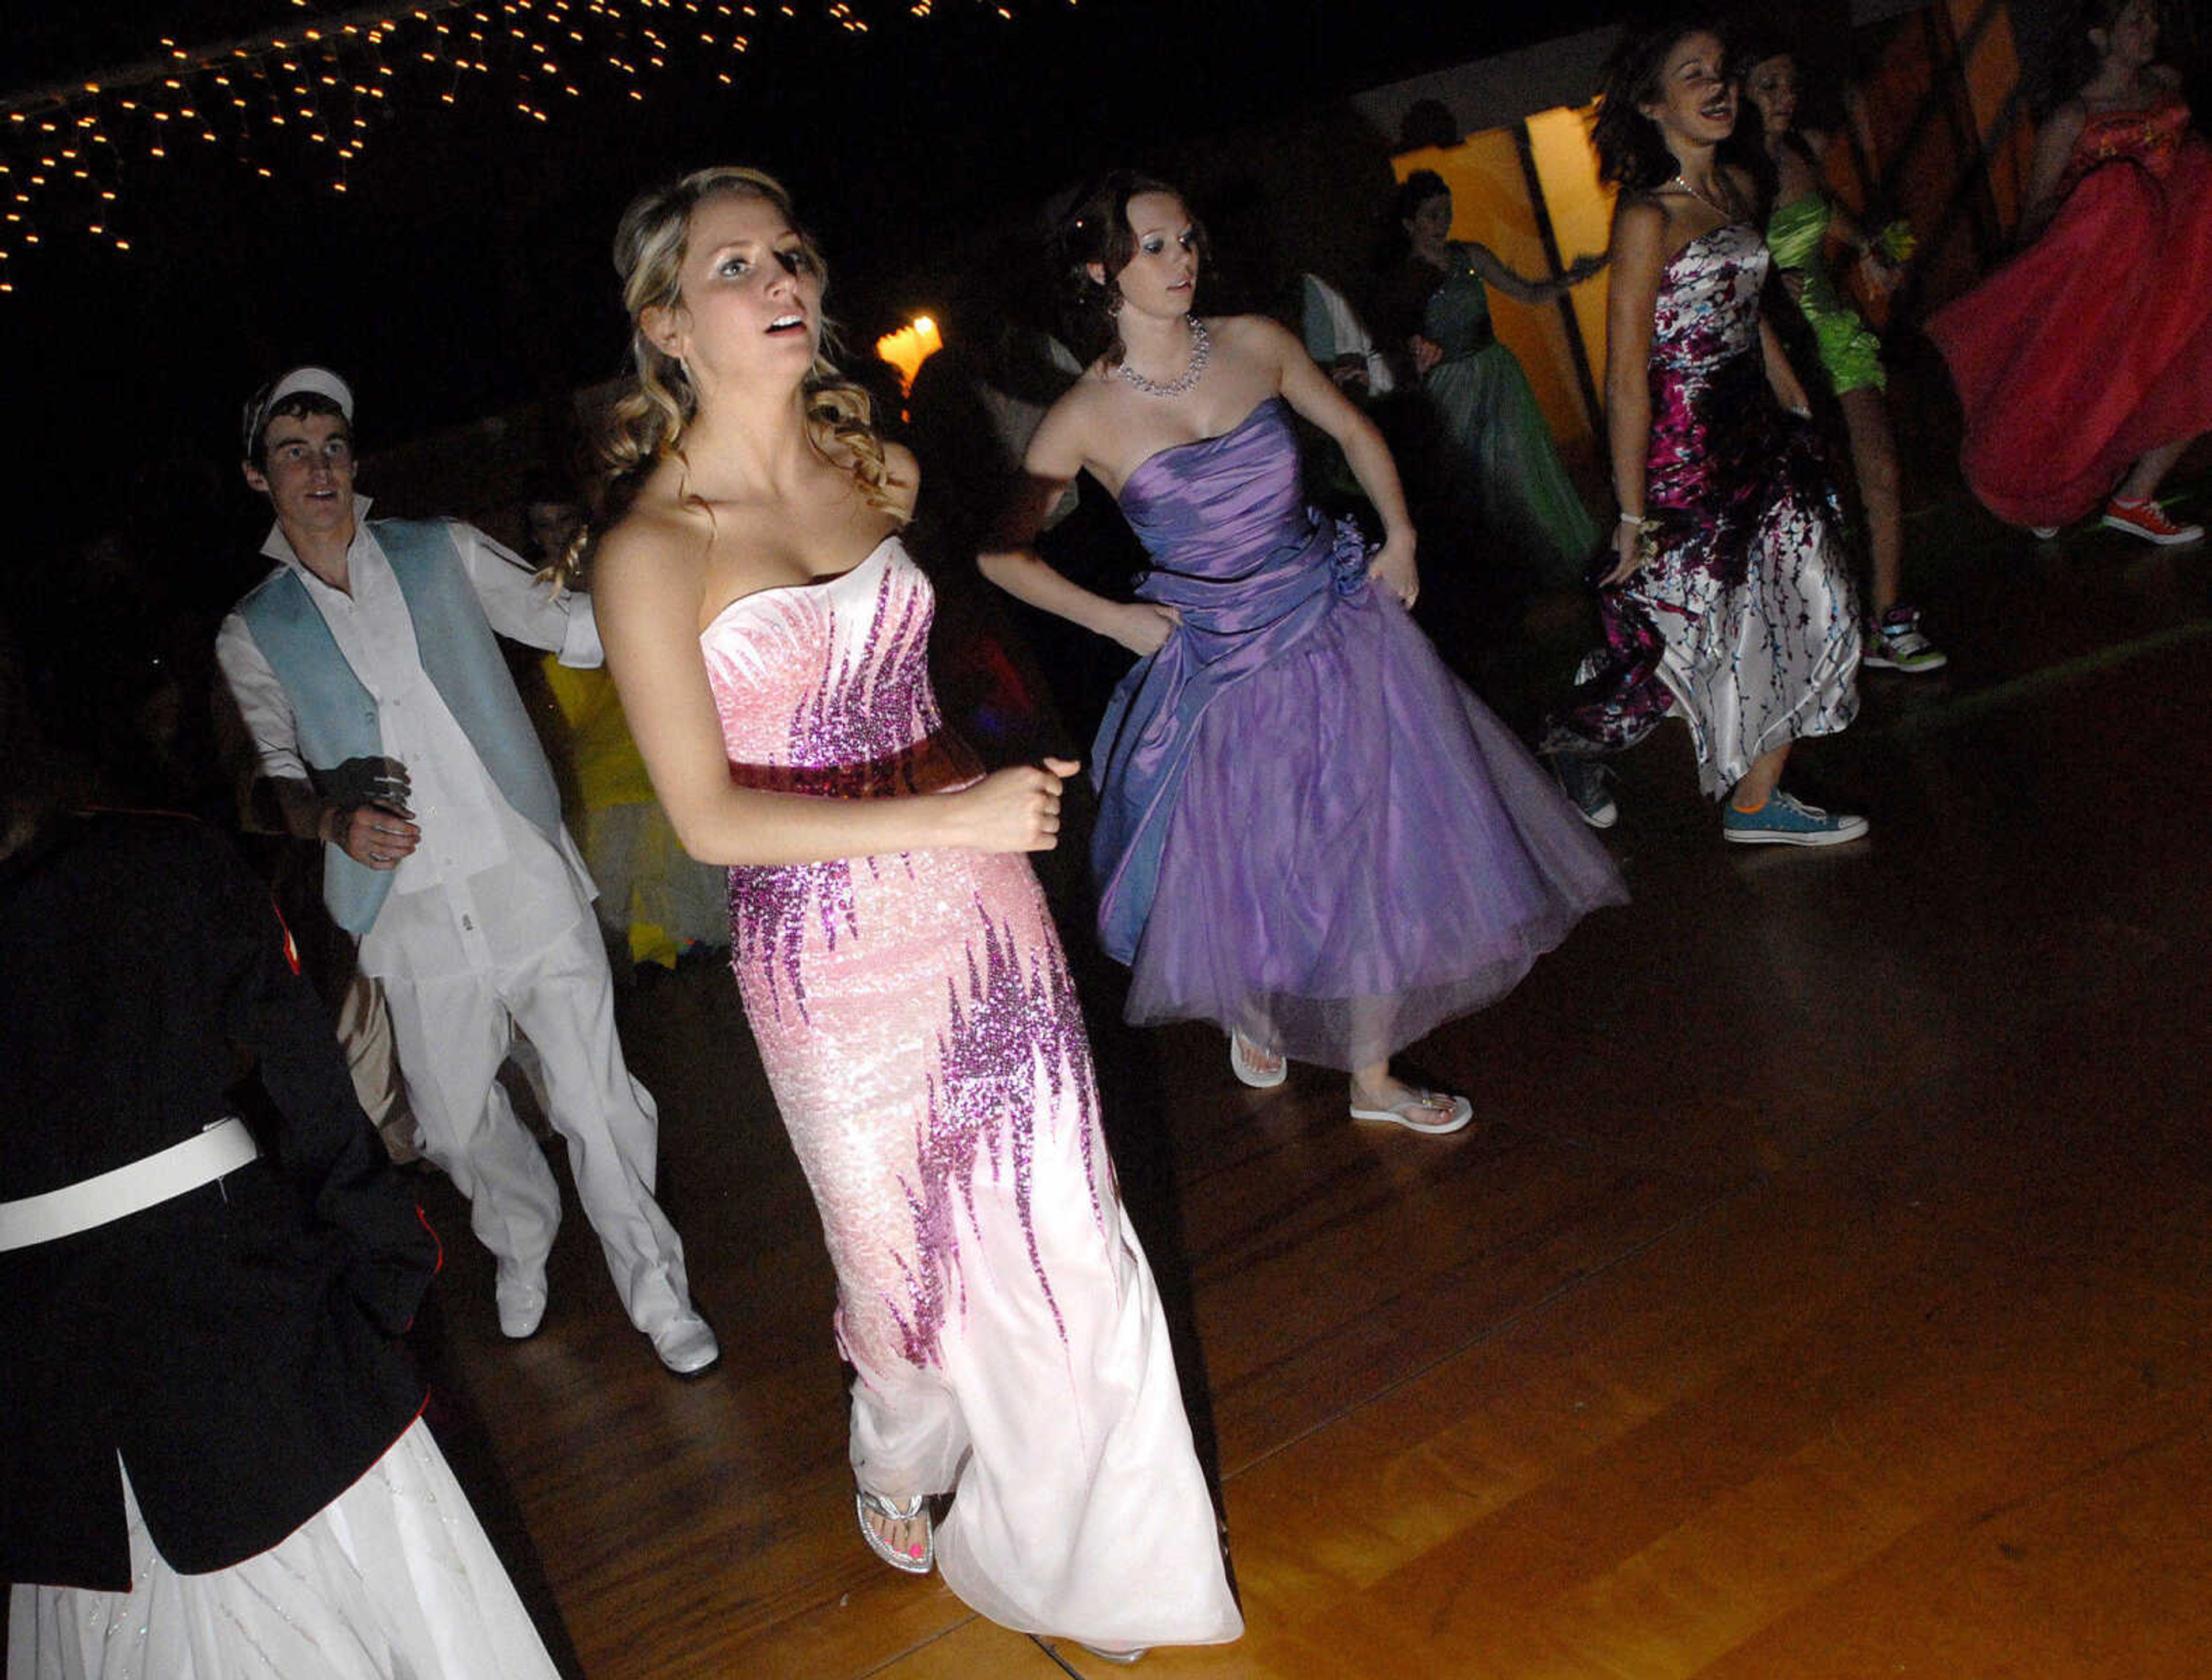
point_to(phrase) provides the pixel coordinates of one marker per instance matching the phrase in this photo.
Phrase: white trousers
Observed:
(453, 1033)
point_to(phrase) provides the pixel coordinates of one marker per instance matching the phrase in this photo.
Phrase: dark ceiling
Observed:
(467, 265)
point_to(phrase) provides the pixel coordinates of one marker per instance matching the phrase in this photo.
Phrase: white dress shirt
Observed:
(484, 890)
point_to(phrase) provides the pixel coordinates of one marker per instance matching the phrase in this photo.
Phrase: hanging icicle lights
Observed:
(305, 98)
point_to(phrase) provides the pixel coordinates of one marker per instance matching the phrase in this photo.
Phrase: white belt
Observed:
(223, 1147)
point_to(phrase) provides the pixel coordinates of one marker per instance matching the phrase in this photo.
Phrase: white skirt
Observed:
(394, 1579)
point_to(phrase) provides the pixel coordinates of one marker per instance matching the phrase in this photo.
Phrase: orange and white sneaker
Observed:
(2147, 520)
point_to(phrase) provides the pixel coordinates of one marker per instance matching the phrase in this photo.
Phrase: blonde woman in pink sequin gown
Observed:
(769, 638)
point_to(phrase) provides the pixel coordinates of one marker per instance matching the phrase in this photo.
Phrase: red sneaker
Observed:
(2148, 520)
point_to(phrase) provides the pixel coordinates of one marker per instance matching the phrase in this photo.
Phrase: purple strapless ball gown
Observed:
(1310, 830)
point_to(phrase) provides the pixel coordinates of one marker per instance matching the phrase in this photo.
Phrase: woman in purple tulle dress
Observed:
(1310, 833)
(1728, 602)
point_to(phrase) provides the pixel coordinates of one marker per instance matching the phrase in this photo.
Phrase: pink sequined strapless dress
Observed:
(918, 1025)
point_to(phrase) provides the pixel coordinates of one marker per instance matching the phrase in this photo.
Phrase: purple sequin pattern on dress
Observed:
(923, 992)
(869, 727)
(1012, 1022)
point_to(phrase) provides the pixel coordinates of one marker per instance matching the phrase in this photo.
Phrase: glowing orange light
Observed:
(907, 349)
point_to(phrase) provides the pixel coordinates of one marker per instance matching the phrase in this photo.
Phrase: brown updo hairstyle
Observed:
(1098, 230)
(648, 420)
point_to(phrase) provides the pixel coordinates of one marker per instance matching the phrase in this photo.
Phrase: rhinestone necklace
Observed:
(1200, 349)
(1727, 210)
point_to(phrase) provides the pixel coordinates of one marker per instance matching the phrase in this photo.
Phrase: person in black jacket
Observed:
(211, 1451)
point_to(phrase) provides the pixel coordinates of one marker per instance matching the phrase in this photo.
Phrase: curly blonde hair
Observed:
(648, 421)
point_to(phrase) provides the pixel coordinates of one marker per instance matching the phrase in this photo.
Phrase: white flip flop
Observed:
(1241, 1064)
(1401, 1113)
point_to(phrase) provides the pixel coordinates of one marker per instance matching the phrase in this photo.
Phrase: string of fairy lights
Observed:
(307, 98)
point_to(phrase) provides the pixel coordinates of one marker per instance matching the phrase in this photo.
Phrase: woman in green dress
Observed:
(1502, 458)
(1803, 221)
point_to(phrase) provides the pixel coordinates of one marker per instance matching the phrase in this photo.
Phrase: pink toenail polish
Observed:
(914, 1551)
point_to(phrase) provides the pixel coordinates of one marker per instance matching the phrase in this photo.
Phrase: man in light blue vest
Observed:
(385, 725)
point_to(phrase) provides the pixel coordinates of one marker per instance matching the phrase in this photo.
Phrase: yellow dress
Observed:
(648, 885)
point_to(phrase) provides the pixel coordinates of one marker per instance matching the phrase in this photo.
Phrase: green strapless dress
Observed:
(1797, 234)
(1515, 476)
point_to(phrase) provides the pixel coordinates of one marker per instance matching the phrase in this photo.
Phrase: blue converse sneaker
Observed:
(1897, 644)
(1583, 781)
(1781, 821)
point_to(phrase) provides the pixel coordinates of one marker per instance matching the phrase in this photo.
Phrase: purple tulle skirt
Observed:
(1359, 850)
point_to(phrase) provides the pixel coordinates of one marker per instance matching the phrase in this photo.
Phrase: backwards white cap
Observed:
(320, 381)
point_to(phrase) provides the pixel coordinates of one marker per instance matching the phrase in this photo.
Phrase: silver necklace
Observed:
(1200, 349)
(1728, 210)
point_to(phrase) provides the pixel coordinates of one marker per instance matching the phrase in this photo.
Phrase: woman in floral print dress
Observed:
(1728, 602)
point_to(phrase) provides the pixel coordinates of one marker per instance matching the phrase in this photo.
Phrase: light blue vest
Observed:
(337, 717)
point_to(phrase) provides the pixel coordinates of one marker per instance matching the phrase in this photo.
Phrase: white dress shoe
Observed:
(685, 1345)
(521, 1303)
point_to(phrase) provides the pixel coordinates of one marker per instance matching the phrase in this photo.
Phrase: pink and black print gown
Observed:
(1743, 619)
(922, 1034)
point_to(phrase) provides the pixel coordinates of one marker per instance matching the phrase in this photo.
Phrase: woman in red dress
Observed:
(2085, 364)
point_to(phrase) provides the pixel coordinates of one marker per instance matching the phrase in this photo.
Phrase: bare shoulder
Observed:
(655, 553)
(901, 472)
(1063, 440)
(1256, 335)
(1259, 343)
(2065, 125)
(1094, 389)
(901, 476)
(1640, 215)
(1640, 228)
(1797, 173)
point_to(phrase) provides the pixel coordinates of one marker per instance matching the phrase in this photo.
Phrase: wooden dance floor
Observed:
(1823, 1290)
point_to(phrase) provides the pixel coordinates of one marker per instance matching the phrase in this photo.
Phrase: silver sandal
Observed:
(1129, 1656)
(865, 1505)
